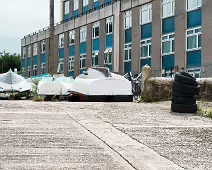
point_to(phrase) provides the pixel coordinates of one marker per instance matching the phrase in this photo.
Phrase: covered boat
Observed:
(11, 82)
(57, 85)
(99, 84)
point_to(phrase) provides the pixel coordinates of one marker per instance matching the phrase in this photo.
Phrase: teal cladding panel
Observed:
(72, 50)
(24, 63)
(71, 74)
(96, 44)
(29, 61)
(76, 12)
(96, 5)
(83, 48)
(81, 71)
(36, 60)
(43, 58)
(194, 58)
(110, 68)
(168, 62)
(127, 67)
(128, 35)
(67, 17)
(194, 18)
(146, 31)
(146, 61)
(86, 9)
(109, 41)
(168, 25)
(61, 53)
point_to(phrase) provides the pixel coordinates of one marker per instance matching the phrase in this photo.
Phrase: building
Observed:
(168, 35)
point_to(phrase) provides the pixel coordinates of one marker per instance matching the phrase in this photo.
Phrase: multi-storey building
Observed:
(125, 35)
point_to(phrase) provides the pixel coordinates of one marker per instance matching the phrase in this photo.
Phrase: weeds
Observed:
(205, 112)
(38, 99)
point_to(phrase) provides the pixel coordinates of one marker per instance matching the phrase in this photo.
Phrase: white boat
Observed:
(57, 85)
(99, 84)
(11, 82)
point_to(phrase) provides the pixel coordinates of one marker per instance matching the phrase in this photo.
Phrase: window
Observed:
(168, 45)
(195, 72)
(35, 68)
(95, 59)
(24, 53)
(35, 49)
(71, 37)
(95, 30)
(66, 7)
(146, 14)
(168, 73)
(108, 57)
(83, 32)
(43, 46)
(71, 64)
(194, 39)
(85, 2)
(128, 52)
(146, 48)
(168, 8)
(28, 70)
(82, 61)
(61, 40)
(128, 19)
(23, 71)
(60, 66)
(76, 5)
(29, 51)
(109, 25)
(193, 4)
(42, 68)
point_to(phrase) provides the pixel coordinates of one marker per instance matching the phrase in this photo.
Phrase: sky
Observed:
(22, 17)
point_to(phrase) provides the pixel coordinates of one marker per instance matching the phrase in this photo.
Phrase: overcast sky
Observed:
(21, 17)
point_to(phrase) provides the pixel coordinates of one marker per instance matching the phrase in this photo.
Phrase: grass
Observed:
(38, 99)
(205, 112)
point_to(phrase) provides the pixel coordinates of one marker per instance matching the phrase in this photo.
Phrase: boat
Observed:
(100, 85)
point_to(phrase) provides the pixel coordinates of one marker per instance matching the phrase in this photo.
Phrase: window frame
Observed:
(61, 41)
(194, 8)
(144, 8)
(146, 44)
(29, 51)
(67, 9)
(76, 5)
(83, 34)
(29, 71)
(35, 68)
(85, 3)
(106, 56)
(43, 44)
(61, 62)
(24, 53)
(71, 59)
(165, 2)
(82, 57)
(169, 39)
(197, 38)
(128, 14)
(71, 37)
(128, 47)
(95, 54)
(109, 21)
(95, 26)
(43, 66)
(194, 71)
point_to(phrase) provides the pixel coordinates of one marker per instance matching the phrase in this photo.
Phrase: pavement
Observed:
(102, 136)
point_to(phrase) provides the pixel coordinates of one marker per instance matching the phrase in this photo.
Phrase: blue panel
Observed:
(108, 2)
(61, 53)
(29, 61)
(24, 63)
(146, 61)
(128, 35)
(127, 67)
(43, 58)
(168, 25)
(109, 41)
(194, 58)
(72, 50)
(76, 13)
(81, 71)
(96, 44)
(71, 74)
(194, 18)
(168, 62)
(83, 48)
(146, 31)
(96, 5)
(110, 68)
(36, 60)
(86, 9)
(67, 17)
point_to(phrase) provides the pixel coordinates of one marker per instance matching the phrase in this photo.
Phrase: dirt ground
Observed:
(102, 136)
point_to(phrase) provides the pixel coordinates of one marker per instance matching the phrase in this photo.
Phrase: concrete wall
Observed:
(89, 45)
(102, 42)
(66, 53)
(39, 58)
(77, 53)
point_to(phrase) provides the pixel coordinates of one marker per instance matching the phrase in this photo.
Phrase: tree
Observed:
(9, 61)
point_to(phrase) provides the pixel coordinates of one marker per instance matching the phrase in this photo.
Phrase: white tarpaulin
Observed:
(12, 82)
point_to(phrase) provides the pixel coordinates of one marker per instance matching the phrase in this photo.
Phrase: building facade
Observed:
(125, 35)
